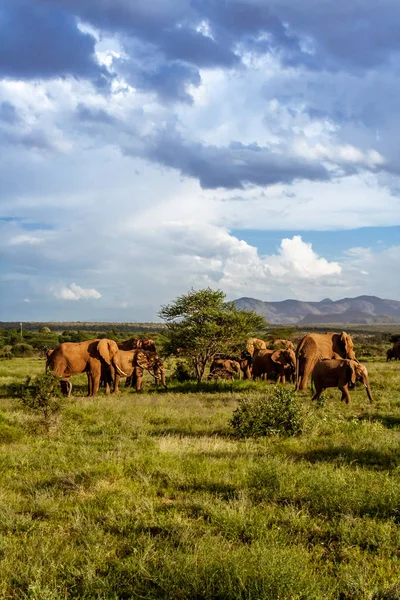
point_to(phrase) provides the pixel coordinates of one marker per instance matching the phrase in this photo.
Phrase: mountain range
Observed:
(363, 309)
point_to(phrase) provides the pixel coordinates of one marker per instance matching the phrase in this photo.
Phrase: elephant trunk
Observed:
(368, 389)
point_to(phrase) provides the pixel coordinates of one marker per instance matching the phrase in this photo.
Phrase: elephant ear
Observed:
(107, 349)
(278, 357)
(352, 372)
(141, 359)
(347, 342)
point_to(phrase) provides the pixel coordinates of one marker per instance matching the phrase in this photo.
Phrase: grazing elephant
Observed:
(225, 368)
(287, 344)
(254, 344)
(136, 343)
(281, 362)
(316, 346)
(134, 363)
(341, 373)
(73, 358)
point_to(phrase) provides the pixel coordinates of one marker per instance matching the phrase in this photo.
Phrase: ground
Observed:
(151, 496)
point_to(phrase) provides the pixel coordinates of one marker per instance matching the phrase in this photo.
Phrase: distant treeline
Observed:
(60, 326)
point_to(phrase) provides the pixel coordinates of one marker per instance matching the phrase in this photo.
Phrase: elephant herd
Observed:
(106, 361)
(328, 358)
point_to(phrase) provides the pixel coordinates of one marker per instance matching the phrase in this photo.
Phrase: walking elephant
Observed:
(92, 356)
(316, 346)
(390, 355)
(134, 363)
(281, 362)
(339, 373)
(396, 350)
(225, 368)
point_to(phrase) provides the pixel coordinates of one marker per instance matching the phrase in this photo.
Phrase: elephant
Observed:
(254, 344)
(134, 362)
(225, 368)
(287, 344)
(245, 365)
(341, 373)
(136, 343)
(390, 355)
(282, 362)
(92, 356)
(49, 352)
(396, 350)
(313, 347)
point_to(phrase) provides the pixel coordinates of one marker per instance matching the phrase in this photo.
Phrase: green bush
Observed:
(22, 350)
(183, 372)
(40, 394)
(277, 412)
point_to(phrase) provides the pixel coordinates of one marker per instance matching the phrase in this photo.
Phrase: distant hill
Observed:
(363, 310)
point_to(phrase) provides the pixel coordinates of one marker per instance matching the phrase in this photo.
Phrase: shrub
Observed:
(183, 372)
(277, 412)
(40, 394)
(22, 350)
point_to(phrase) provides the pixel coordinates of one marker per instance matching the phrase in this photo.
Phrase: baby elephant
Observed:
(341, 373)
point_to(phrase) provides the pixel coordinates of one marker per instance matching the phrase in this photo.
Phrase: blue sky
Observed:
(150, 147)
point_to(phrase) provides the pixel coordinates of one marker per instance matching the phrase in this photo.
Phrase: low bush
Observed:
(22, 350)
(278, 412)
(40, 394)
(183, 372)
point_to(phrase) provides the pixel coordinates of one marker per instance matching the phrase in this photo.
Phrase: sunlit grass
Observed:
(151, 496)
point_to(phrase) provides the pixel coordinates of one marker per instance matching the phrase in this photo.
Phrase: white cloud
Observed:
(25, 239)
(76, 292)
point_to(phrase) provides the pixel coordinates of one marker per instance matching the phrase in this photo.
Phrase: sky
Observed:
(151, 147)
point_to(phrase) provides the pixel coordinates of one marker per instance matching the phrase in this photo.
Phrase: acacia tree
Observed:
(200, 325)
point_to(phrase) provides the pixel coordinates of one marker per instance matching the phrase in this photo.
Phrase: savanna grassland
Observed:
(152, 496)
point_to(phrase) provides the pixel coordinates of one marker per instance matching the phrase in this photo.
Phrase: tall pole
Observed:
(21, 330)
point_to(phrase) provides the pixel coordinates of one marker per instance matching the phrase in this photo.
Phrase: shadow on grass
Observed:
(389, 421)
(184, 432)
(350, 456)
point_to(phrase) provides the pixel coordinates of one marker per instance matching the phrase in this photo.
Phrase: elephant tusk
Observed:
(120, 371)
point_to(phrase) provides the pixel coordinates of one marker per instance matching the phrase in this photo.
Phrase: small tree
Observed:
(200, 325)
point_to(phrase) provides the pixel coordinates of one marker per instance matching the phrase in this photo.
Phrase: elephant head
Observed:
(357, 372)
(284, 357)
(254, 344)
(108, 350)
(347, 344)
(151, 362)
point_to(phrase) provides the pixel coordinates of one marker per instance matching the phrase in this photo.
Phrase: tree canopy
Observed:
(201, 324)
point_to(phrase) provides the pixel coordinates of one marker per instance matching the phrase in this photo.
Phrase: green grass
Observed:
(152, 496)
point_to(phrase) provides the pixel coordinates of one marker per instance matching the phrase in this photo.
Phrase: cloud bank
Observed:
(136, 136)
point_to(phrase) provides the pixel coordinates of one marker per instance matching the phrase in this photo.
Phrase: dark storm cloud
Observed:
(167, 79)
(229, 167)
(38, 41)
(318, 35)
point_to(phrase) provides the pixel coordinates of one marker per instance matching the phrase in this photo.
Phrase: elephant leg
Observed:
(90, 383)
(116, 383)
(317, 394)
(345, 393)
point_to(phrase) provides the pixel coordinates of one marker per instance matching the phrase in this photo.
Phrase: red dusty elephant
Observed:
(317, 346)
(281, 362)
(342, 374)
(91, 357)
